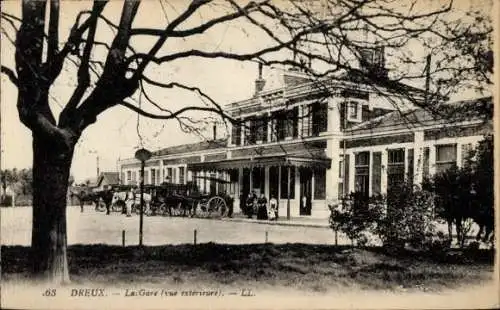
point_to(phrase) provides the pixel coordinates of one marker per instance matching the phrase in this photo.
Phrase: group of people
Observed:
(259, 207)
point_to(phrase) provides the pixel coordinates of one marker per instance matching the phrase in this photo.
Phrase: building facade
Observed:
(308, 143)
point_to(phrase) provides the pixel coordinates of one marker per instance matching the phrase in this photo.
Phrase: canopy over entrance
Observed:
(262, 161)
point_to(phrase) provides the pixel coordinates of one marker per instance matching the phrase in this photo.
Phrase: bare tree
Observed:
(319, 37)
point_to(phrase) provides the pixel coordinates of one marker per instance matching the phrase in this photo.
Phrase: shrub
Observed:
(6, 201)
(409, 219)
(356, 216)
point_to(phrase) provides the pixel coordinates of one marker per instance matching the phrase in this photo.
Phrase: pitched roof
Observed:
(110, 178)
(418, 117)
(192, 147)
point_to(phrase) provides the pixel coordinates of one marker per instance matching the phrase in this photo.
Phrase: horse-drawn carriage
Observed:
(171, 199)
(186, 200)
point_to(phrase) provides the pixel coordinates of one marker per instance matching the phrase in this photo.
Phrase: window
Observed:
(361, 169)
(251, 134)
(410, 165)
(273, 182)
(343, 186)
(284, 182)
(123, 178)
(274, 128)
(236, 134)
(129, 175)
(307, 120)
(376, 173)
(320, 118)
(395, 167)
(446, 157)
(320, 184)
(314, 119)
(169, 175)
(291, 123)
(258, 181)
(153, 176)
(174, 175)
(134, 176)
(261, 129)
(354, 109)
(426, 163)
(181, 175)
(146, 179)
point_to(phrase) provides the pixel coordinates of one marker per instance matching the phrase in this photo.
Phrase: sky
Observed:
(117, 132)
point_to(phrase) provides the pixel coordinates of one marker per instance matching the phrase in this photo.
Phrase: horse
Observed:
(119, 198)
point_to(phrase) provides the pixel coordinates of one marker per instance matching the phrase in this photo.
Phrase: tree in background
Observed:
(322, 38)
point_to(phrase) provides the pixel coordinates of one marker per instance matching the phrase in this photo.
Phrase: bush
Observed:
(356, 216)
(6, 201)
(409, 219)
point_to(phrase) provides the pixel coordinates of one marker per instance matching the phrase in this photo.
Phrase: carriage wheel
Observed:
(217, 206)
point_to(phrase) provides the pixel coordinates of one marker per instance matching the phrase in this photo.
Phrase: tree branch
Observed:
(84, 69)
(11, 75)
(53, 40)
(171, 26)
(171, 115)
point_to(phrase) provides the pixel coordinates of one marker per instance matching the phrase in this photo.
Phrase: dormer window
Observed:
(354, 109)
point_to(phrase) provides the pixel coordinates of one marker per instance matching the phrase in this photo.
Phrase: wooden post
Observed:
(266, 236)
(123, 237)
(194, 236)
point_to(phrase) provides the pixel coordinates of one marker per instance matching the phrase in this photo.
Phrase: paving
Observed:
(92, 227)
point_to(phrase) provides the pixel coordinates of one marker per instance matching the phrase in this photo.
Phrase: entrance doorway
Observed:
(305, 191)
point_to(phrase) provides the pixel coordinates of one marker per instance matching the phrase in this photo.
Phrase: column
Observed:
(270, 128)
(296, 210)
(370, 173)
(432, 159)
(352, 172)
(383, 181)
(418, 157)
(333, 150)
(266, 182)
(161, 177)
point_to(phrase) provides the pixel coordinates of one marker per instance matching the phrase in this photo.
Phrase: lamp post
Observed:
(142, 155)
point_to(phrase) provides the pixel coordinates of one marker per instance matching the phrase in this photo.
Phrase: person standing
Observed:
(262, 207)
(130, 201)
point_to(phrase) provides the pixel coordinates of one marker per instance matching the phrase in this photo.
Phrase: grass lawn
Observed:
(306, 267)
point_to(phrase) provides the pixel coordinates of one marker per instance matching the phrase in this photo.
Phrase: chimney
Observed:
(259, 82)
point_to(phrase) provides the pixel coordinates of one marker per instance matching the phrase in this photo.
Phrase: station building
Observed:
(307, 143)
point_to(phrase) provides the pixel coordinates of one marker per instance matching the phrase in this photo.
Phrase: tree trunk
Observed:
(51, 166)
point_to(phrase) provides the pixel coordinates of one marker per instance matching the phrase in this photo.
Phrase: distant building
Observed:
(310, 142)
(106, 180)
